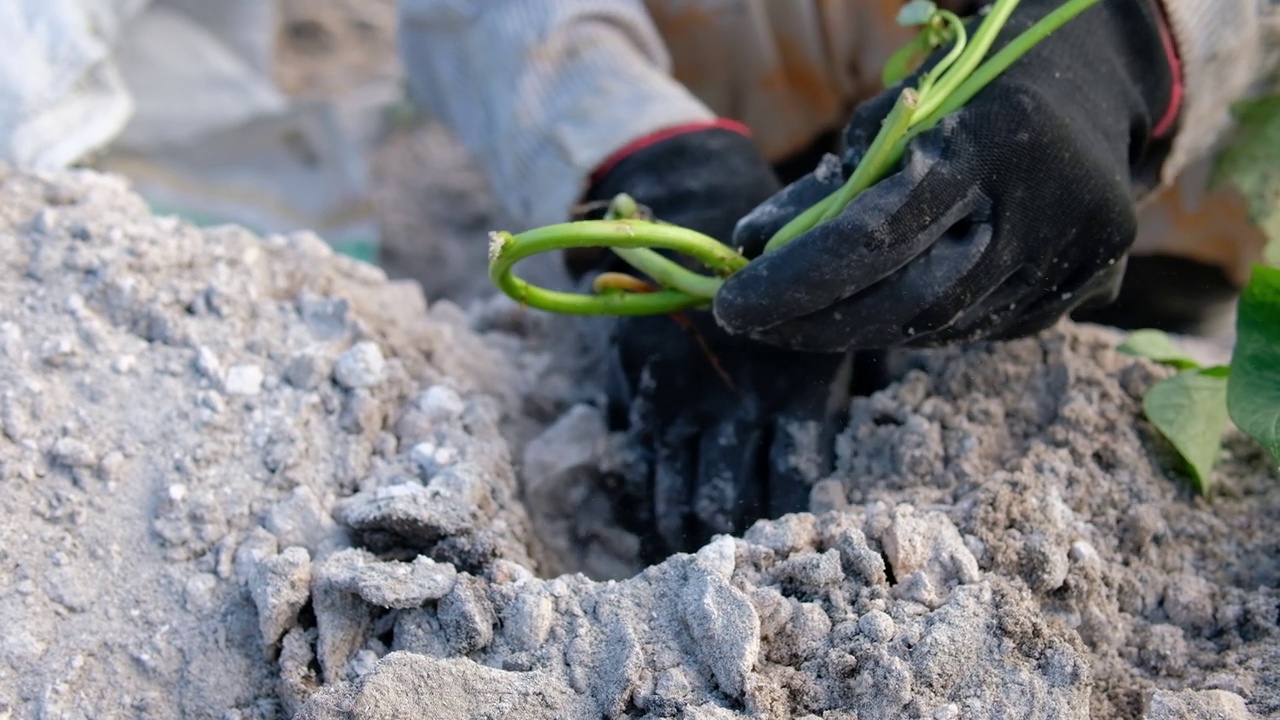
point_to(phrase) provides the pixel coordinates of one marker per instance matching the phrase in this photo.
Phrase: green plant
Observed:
(1192, 407)
(959, 75)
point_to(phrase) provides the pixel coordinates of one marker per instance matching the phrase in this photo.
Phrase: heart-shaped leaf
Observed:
(1190, 409)
(1156, 345)
(1253, 393)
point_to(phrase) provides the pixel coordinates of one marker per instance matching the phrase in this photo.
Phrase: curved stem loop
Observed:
(636, 238)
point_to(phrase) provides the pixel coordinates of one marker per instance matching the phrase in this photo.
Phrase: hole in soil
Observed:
(1105, 461)
(384, 627)
(611, 522)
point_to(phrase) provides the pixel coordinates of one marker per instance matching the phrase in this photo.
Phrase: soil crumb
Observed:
(245, 477)
(182, 410)
(1000, 539)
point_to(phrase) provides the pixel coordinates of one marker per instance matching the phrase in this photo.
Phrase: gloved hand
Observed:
(1008, 214)
(721, 442)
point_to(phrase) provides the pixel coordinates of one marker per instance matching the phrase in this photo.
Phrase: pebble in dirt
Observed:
(244, 477)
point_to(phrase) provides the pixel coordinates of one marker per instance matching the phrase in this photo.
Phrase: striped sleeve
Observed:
(540, 92)
(1230, 51)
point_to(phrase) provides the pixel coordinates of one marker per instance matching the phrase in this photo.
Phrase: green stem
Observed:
(978, 79)
(800, 224)
(977, 48)
(997, 64)
(875, 163)
(955, 80)
(898, 66)
(957, 50)
(505, 250)
(668, 274)
(872, 164)
(1007, 56)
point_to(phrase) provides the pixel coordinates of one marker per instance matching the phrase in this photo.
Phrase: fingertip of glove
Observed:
(724, 310)
(754, 229)
(748, 300)
(741, 305)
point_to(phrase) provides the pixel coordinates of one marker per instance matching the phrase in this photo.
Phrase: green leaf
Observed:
(917, 12)
(1156, 345)
(906, 59)
(1190, 410)
(1251, 163)
(1253, 394)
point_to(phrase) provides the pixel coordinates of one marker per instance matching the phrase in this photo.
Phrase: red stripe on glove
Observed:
(667, 133)
(1166, 122)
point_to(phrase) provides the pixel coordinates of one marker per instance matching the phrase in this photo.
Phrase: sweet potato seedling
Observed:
(1192, 408)
(959, 75)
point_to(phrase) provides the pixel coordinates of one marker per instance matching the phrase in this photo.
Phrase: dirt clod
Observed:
(246, 477)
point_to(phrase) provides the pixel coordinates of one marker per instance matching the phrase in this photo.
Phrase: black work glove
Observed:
(722, 441)
(1008, 214)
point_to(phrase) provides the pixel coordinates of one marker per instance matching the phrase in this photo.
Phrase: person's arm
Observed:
(542, 92)
(1229, 51)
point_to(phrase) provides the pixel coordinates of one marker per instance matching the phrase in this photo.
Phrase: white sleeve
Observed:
(61, 96)
(1230, 51)
(540, 92)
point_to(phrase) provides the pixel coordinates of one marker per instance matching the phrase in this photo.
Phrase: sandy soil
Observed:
(246, 477)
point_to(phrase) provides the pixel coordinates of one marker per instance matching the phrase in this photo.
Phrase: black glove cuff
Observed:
(703, 179)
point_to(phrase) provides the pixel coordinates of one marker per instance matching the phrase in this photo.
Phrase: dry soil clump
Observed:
(181, 410)
(243, 477)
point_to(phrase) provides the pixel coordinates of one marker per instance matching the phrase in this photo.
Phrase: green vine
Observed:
(945, 88)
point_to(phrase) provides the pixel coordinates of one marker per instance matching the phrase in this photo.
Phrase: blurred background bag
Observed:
(180, 96)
